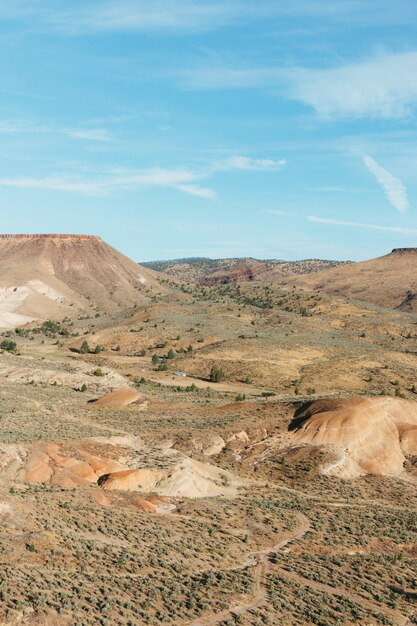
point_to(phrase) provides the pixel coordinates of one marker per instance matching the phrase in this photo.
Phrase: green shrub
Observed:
(216, 374)
(8, 345)
(85, 348)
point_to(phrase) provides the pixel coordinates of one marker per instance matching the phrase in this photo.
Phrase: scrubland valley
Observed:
(188, 450)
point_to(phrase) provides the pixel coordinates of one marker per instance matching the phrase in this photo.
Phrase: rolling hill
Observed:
(388, 281)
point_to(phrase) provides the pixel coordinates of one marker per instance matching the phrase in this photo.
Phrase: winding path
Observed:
(260, 560)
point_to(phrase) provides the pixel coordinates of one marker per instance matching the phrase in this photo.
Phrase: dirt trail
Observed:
(260, 560)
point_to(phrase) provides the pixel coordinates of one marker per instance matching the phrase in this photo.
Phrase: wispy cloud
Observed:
(391, 229)
(96, 16)
(279, 213)
(196, 190)
(181, 180)
(92, 134)
(339, 189)
(383, 86)
(185, 180)
(394, 189)
(55, 184)
(246, 163)
(84, 133)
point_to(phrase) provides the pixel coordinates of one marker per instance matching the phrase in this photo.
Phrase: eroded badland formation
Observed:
(217, 444)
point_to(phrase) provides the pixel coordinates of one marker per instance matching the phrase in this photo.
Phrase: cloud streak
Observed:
(185, 180)
(383, 86)
(55, 184)
(181, 180)
(248, 164)
(393, 188)
(9, 127)
(390, 229)
(106, 16)
(279, 213)
(193, 16)
(92, 134)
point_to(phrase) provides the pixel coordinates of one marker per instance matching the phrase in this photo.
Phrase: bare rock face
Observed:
(47, 276)
(209, 446)
(368, 435)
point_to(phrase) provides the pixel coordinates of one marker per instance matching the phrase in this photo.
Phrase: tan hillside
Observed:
(45, 276)
(388, 281)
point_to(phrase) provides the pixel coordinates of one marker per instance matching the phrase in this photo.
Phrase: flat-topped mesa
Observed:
(404, 251)
(52, 236)
(51, 276)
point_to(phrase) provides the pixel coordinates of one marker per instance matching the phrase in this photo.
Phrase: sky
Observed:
(179, 128)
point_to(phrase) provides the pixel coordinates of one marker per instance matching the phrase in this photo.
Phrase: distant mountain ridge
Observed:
(206, 271)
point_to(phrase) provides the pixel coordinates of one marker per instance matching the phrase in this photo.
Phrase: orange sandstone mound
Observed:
(120, 397)
(368, 435)
(55, 464)
(116, 464)
(176, 476)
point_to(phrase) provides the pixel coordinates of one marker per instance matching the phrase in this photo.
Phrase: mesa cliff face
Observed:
(42, 276)
(50, 236)
(404, 251)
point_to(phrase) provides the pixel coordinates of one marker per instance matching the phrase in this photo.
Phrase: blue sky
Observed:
(234, 128)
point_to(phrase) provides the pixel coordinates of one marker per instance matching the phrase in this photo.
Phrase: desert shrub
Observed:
(8, 345)
(85, 348)
(216, 374)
